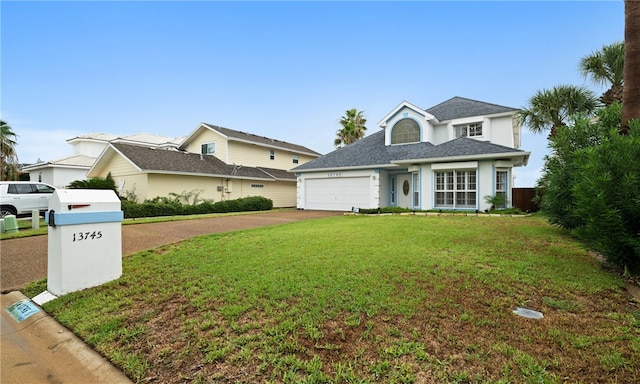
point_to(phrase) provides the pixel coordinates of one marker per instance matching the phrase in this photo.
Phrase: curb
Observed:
(37, 349)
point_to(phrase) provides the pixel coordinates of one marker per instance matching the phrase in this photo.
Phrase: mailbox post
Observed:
(85, 239)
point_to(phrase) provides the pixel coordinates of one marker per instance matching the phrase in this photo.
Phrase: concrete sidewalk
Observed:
(40, 350)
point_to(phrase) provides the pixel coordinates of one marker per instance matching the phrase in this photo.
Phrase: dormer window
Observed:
(405, 131)
(208, 148)
(468, 130)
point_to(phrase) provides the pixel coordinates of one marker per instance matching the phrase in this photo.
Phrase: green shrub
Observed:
(95, 183)
(164, 206)
(563, 166)
(591, 185)
(370, 211)
(608, 197)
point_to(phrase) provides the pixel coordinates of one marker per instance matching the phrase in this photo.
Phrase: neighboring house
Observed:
(448, 157)
(86, 149)
(61, 172)
(214, 162)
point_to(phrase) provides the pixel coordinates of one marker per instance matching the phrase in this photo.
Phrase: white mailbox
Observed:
(85, 239)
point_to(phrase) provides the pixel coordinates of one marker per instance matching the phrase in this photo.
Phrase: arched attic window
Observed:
(405, 131)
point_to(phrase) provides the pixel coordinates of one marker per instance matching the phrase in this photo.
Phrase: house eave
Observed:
(272, 146)
(213, 175)
(514, 156)
(356, 168)
(50, 165)
(492, 116)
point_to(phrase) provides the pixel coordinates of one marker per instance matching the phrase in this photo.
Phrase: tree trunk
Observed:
(631, 92)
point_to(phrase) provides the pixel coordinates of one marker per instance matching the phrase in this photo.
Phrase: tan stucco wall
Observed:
(248, 155)
(127, 176)
(282, 193)
(258, 156)
(209, 136)
(205, 187)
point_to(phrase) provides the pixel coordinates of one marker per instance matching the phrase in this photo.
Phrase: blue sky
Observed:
(285, 70)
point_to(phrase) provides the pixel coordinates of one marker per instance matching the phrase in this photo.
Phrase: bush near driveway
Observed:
(176, 208)
(403, 299)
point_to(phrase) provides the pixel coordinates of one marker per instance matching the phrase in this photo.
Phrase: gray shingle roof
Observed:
(243, 136)
(371, 151)
(465, 146)
(173, 161)
(77, 161)
(459, 107)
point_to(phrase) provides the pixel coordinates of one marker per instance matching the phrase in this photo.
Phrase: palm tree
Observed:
(631, 92)
(8, 154)
(551, 109)
(606, 67)
(353, 128)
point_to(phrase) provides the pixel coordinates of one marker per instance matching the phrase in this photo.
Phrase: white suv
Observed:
(21, 197)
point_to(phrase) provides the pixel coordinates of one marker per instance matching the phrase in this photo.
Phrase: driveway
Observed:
(24, 260)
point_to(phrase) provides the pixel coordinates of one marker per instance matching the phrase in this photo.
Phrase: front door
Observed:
(404, 191)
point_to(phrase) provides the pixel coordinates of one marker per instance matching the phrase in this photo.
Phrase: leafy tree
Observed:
(608, 197)
(591, 185)
(606, 67)
(8, 154)
(353, 128)
(562, 167)
(552, 109)
(631, 92)
(95, 183)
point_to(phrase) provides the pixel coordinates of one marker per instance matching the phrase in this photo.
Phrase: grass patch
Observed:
(364, 299)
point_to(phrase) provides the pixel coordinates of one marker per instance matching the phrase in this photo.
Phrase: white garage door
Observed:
(338, 194)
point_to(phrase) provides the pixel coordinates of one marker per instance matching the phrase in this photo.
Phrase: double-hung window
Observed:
(208, 148)
(468, 130)
(456, 189)
(416, 190)
(501, 187)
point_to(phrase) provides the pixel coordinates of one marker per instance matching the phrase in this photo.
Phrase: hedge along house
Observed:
(213, 162)
(447, 157)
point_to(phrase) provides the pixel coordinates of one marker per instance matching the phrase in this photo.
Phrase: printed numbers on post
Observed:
(80, 236)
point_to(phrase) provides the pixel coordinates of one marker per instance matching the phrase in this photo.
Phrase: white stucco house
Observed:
(448, 157)
(86, 149)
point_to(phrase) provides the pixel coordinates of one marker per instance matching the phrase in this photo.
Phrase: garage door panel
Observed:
(338, 193)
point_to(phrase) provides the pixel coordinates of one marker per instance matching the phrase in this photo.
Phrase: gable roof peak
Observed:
(404, 104)
(459, 107)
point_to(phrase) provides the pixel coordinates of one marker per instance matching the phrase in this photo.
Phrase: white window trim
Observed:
(505, 191)
(467, 127)
(454, 190)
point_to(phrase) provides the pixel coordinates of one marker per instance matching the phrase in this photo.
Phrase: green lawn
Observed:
(394, 299)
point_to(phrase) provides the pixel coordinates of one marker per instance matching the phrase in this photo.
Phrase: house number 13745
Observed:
(80, 236)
